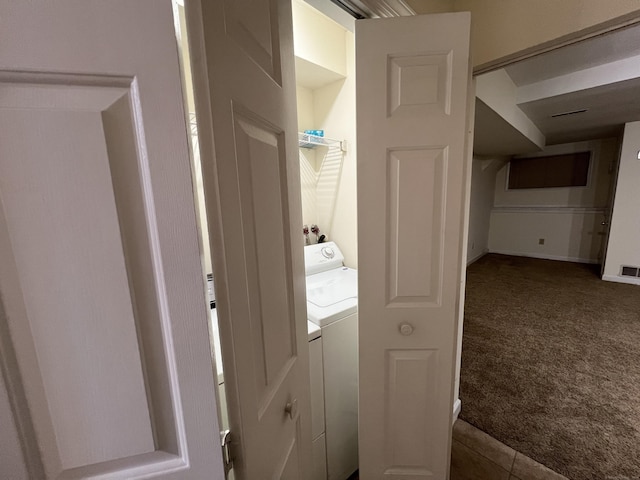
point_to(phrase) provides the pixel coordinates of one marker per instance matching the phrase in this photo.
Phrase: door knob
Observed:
(292, 408)
(406, 329)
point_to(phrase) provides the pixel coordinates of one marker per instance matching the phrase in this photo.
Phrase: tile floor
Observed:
(478, 456)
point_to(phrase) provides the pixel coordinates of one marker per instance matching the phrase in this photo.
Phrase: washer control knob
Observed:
(406, 329)
(327, 252)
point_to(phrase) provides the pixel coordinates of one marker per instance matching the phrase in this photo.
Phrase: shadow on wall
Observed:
(587, 236)
(308, 182)
(320, 173)
(327, 187)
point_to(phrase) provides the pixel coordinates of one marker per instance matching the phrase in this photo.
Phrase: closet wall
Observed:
(325, 77)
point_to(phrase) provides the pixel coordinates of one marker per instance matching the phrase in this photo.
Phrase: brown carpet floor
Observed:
(551, 364)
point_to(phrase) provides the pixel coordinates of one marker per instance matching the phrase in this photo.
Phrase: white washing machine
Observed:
(332, 303)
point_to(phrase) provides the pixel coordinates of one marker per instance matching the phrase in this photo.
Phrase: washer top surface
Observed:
(332, 295)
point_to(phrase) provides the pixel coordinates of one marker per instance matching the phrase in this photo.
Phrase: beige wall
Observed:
(624, 236)
(568, 219)
(328, 175)
(483, 181)
(503, 27)
(308, 166)
(185, 58)
(338, 119)
(569, 235)
(318, 39)
(306, 113)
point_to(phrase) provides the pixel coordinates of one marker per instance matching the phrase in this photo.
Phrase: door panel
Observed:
(254, 28)
(251, 181)
(85, 386)
(418, 83)
(411, 375)
(104, 320)
(259, 158)
(413, 249)
(412, 81)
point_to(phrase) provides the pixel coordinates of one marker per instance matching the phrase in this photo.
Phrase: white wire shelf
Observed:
(312, 141)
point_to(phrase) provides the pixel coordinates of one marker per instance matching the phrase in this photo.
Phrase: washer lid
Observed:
(332, 295)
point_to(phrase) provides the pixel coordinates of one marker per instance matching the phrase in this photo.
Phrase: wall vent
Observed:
(627, 271)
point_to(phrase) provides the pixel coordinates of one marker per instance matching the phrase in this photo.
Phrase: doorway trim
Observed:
(618, 23)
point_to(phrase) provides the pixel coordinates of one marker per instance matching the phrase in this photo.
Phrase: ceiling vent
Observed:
(572, 112)
(627, 271)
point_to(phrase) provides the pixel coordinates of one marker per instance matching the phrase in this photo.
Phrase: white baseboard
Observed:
(617, 279)
(546, 257)
(477, 257)
(457, 406)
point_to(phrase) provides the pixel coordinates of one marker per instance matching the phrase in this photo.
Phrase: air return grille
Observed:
(627, 271)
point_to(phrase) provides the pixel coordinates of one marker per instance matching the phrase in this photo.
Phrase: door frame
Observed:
(206, 133)
(597, 30)
(603, 28)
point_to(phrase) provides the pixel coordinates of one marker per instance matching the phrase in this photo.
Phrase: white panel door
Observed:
(104, 344)
(412, 87)
(245, 95)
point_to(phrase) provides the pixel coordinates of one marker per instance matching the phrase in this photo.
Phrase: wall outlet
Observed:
(541, 241)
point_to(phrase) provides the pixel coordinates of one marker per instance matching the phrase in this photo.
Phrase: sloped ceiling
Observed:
(489, 126)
